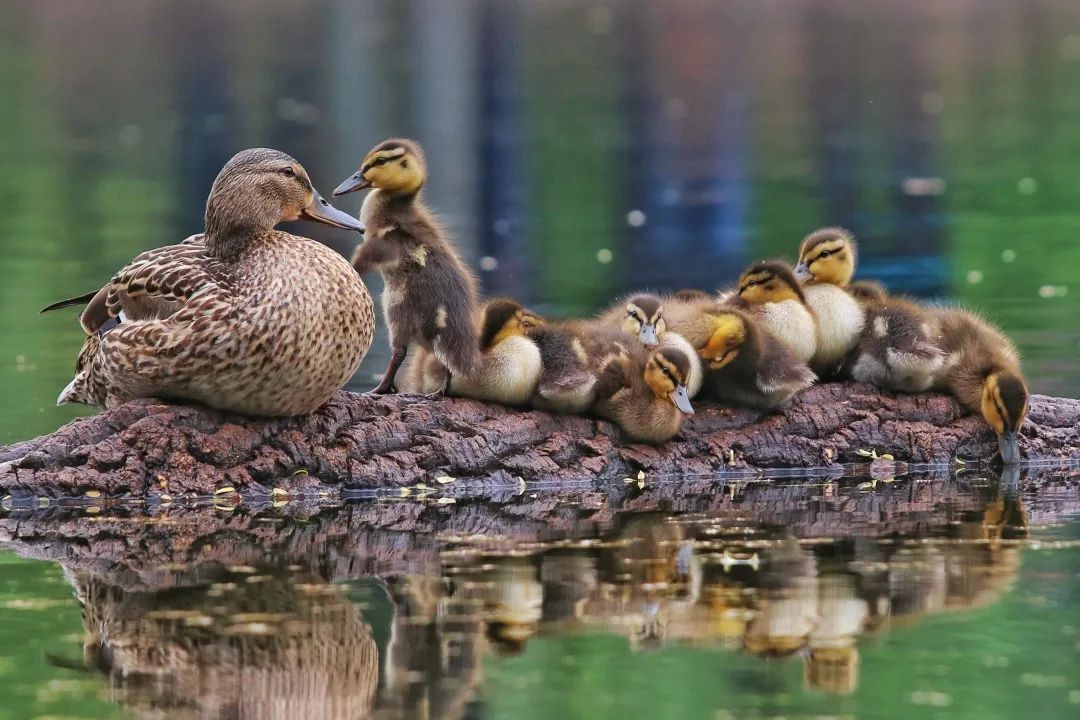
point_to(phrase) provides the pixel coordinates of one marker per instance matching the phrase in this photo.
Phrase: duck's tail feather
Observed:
(69, 302)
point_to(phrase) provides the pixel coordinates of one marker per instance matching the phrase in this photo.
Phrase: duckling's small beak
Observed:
(647, 335)
(1009, 445)
(681, 398)
(802, 273)
(354, 182)
(321, 211)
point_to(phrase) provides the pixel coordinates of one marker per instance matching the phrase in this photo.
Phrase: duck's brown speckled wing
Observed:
(153, 285)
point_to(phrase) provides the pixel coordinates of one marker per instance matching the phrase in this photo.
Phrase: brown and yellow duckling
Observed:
(770, 292)
(507, 370)
(242, 317)
(645, 393)
(982, 369)
(429, 299)
(572, 354)
(748, 366)
(641, 316)
(899, 347)
(827, 260)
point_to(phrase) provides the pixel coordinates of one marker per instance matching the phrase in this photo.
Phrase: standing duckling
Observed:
(982, 369)
(645, 393)
(772, 294)
(242, 317)
(507, 370)
(641, 316)
(429, 297)
(748, 366)
(826, 264)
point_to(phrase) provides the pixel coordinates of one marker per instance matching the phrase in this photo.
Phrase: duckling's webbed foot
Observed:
(386, 385)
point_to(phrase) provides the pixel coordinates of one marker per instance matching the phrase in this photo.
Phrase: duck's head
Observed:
(1004, 407)
(827, 256)
(395, 166)
(645, 319)
(667, 372)
(259, 188)
(769, 282)
(728, 337)
(504, 319)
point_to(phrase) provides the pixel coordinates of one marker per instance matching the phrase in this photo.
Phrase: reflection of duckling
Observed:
(982, 369)
(898, 348)
(513, 608)
(748, 366)
(826, 264)
(773, 296)
(509, 366)
(644, 392)
(430, 296)
(832, 663)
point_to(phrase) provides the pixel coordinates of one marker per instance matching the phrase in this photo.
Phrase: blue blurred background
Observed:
(577, 148)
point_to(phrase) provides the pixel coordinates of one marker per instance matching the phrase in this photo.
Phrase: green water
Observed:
(923, 597)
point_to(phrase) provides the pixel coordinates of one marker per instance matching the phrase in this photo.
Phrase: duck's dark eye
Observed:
(825, 254)
(287, 172)
(382, 161)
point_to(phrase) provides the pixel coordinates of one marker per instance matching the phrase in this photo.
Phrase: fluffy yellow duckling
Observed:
(509, 366)
(770, 292)
(826, 264)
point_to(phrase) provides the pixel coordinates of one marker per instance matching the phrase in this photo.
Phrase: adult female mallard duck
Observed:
(241, 317)
(982, 370)
(429, 298)
(826, 264)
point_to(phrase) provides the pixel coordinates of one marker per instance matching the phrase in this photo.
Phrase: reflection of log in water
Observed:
(763, 568)
(249, 645)
(146, 448)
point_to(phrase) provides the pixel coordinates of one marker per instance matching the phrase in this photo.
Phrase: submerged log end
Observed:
(149, 449)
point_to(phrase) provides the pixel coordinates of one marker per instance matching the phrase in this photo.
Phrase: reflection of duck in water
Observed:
(512, 604)
(247, 646)
(832, 662)
(787, 609)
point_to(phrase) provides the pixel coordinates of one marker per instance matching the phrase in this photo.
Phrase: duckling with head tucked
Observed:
(899, 346)
(243, 317)
(749, 366)
(429, 297)
(982, 370)
(826, 264)
(645, 393)
(770, 292)
(572, 354)
(507, 370)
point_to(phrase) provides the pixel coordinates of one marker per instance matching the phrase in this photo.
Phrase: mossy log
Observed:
(150, 449)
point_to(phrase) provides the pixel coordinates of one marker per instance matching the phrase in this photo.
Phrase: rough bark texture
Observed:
(138, 548)
(149, 449)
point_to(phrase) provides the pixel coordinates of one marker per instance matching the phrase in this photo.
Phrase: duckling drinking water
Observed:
(982, 369)
(242, 317)
(430, 296)
(826, 264)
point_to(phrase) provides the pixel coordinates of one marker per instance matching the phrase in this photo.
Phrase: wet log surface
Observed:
(154, 450)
